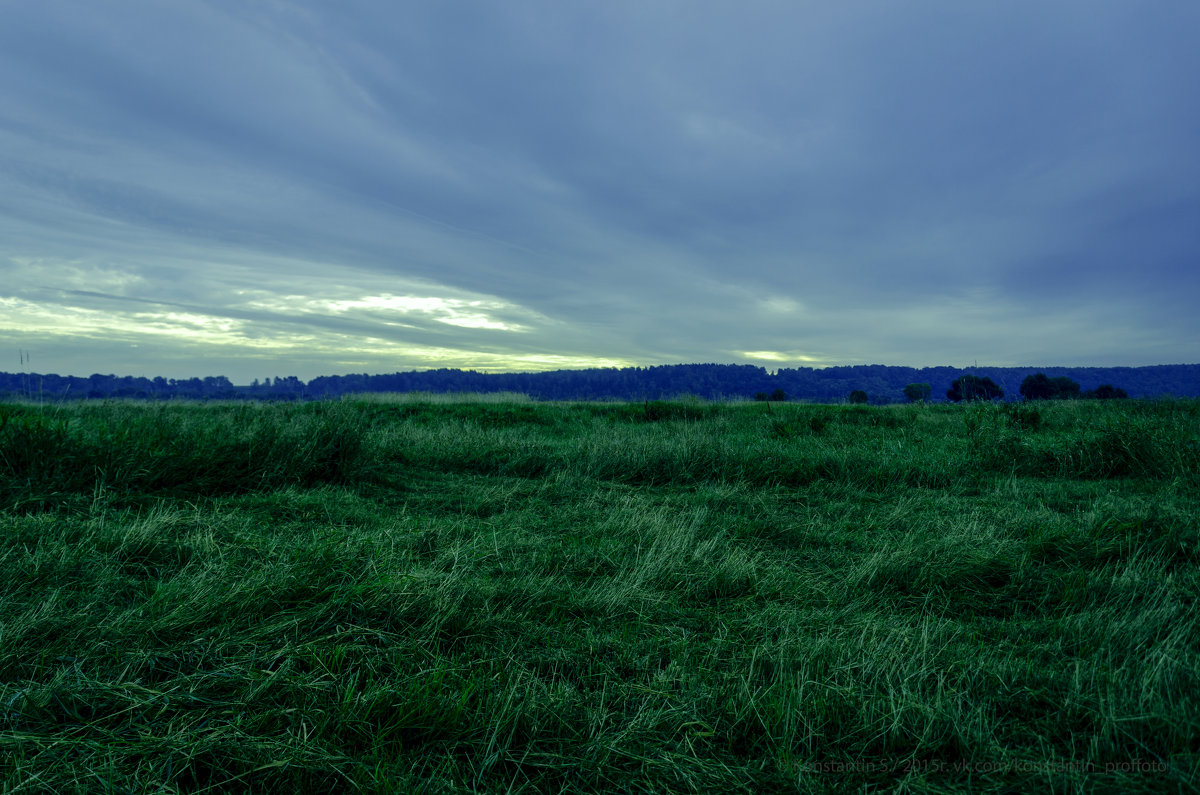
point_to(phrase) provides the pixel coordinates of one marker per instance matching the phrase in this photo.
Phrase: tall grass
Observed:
(173, 449)
(480, 596)
(438, 398)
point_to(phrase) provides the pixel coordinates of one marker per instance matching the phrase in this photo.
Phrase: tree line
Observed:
(856, 383)
(1038, 386)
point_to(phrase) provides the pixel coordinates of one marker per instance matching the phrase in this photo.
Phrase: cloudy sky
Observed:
(299, 187)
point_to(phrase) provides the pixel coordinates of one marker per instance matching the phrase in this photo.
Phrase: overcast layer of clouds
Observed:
(307, 188)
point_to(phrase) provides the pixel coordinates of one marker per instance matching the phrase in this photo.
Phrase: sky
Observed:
(257, 188)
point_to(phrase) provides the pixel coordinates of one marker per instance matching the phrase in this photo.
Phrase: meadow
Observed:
(413, 593)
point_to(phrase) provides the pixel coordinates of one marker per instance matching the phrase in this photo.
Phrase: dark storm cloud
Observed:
(918, 183)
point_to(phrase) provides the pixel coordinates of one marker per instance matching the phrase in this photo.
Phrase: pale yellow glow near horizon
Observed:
(505, 362)
(73, 321)
(239, 338)
(462, 312)
(783, 356)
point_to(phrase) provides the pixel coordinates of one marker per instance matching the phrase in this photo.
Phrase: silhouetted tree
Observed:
(1040, 387)
(1037, 387)
(858, 396)
(1106, 392)
(972, 387)
(917, 393)
(777, 395)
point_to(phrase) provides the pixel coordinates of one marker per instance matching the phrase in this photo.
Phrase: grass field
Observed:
(418, 594)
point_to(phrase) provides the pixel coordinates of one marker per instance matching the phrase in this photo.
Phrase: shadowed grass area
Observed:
(407, 594)
(51, 454)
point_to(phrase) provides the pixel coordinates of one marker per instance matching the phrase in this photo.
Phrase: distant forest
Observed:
(880, 383)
